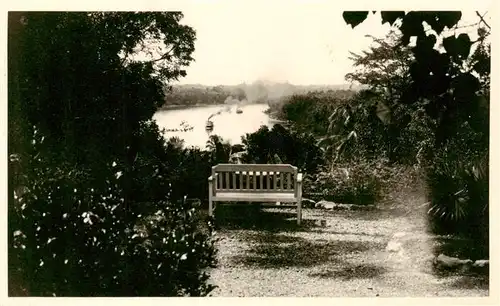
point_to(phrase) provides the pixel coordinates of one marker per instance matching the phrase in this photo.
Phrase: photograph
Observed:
(248, 150)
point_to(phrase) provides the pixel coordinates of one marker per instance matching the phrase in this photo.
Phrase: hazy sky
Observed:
(304, 44)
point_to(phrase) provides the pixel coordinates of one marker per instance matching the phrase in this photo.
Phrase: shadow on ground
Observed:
(468, 282)
(460, 247)
(252, 216)
(278, 251)
(348, 272)
(331, 232)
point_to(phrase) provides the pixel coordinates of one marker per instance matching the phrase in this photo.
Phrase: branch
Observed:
(164, 56)
(482, 19)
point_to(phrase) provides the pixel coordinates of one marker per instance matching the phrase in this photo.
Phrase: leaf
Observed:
(463, 45)
(412, 25)
(426, 42)
(432, 18)
(391, 16)
(352, 134)
(354, 18)
(450, 44)
(450, 18)
(436, 85)
(439, 63)
(465, 86)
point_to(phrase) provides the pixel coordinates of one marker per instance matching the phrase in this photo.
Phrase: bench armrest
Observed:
(212, 177)
(299, 178)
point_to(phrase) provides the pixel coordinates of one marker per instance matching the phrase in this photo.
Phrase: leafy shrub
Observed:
(73, 235)
(267, 146)
(458, 189)
(353, 183)
(364, 182)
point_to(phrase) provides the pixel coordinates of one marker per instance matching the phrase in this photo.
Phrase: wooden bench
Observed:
(255, 183)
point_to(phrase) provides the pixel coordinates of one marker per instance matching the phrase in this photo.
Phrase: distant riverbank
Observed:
(185, 106)
(174, 107)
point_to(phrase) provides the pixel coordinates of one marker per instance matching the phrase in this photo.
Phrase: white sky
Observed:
(302, 44)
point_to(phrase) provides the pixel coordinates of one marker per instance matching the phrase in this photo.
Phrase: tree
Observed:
(384, 67)
(446, 79)
(92, 166)
(450, 80)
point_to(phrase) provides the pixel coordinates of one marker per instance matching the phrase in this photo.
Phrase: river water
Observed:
(228, 124)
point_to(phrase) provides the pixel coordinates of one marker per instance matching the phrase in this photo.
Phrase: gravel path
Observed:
(357, 254)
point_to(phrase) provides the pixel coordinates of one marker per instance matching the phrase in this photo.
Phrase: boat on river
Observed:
(238, 110)
(209, 125)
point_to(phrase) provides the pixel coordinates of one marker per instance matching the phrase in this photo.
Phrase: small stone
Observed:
(393, 246)
(481, 263)
(450, 262)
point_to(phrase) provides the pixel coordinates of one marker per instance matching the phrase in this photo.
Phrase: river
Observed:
(228, 124)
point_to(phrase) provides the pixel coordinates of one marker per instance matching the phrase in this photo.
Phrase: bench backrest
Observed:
(254, 178)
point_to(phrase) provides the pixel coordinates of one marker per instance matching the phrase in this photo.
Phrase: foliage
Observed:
(220, 149)
(64, 217)
(449, 88)
(384, 67)
(88, 164)
(268, 146)
(447, 79)
(345, 185)
(459, 188)
(361, 181)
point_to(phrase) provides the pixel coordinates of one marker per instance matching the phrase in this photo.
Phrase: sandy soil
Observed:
(356, 254)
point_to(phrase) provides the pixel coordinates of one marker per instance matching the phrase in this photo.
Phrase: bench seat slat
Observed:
(255, 197)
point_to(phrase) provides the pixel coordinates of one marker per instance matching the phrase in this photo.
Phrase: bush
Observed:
(458, 189)
(353, 183)
(365, 182)
(73, 235)
(290, 147)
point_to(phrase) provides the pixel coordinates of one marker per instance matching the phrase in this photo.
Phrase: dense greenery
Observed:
(449, 88)
(279, 145)
(425, 109)
(89, 171)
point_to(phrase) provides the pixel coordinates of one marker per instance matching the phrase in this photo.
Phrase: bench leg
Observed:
(299, 212)
(210, 208)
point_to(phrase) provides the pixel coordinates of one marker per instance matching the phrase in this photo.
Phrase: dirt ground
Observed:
(385, 253)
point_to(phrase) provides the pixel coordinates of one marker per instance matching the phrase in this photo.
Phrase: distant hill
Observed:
(257, 92)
